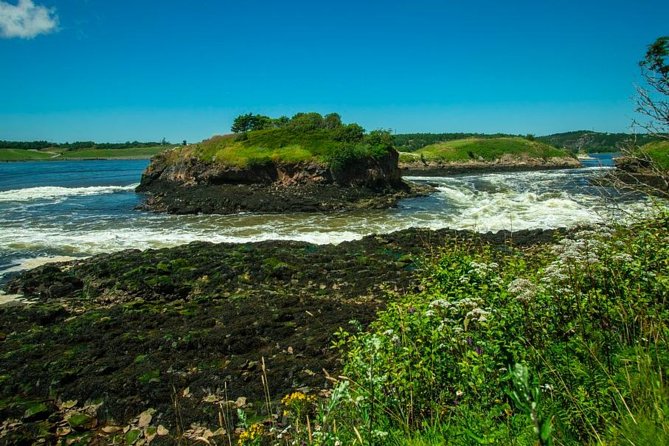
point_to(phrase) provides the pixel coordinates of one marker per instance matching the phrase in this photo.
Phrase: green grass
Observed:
(23, 155)
(79, 154)
(284, 145)
(263, 146)
(487, 149)
(659, 152)
(132, 152)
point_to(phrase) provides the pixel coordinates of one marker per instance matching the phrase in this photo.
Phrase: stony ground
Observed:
(179, 336)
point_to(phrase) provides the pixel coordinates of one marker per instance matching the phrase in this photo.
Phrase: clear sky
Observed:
(117, 70)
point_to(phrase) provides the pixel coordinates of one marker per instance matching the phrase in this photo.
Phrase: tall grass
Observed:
(561, 345)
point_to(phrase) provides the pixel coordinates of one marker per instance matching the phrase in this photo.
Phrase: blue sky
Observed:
(146, 69)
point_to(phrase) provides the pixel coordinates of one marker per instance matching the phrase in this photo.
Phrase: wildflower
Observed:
(297, 404)
(251, 434)
(623, 258)
(440, 303)
(482, 269)
(477, 314)
(522, 289)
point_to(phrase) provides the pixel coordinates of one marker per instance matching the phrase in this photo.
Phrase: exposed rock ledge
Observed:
(422, 167)
(639, 174)
(187, 185)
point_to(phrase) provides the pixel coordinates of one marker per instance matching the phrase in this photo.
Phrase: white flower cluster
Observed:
(523, 290)
(483, 270)
(458, 313)
(573, 254)
(478, 315)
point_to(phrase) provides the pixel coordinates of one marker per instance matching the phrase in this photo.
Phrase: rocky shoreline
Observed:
(420, 167)
(179, 330)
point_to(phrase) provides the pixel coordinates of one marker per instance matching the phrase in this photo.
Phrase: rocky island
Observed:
(305, 163)
(479, 154)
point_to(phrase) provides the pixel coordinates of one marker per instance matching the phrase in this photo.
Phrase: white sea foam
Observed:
(483, 203)
(55, 192)
(30, 263)
(99, 241)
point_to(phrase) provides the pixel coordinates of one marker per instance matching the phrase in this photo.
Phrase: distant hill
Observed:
(594, 142)
(410, 142)
(488, 149)
(576, 141)
(496, 154)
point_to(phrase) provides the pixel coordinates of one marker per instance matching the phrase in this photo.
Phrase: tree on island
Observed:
(250, 122)
(301, 122)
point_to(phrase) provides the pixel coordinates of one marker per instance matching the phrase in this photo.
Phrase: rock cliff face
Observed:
(186, 184)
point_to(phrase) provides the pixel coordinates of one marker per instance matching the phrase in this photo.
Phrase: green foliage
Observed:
(656, 57)
(250, 122)
(488, 149)
(658, 152)
(587, 315)
(306, 137)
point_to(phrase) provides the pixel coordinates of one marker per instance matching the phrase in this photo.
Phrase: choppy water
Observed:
(79, 208)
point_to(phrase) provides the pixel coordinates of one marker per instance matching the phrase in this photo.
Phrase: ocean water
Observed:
(70, 209)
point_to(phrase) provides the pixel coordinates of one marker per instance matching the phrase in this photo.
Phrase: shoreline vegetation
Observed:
(434, 336)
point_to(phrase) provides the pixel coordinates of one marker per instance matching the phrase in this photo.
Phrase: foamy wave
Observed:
(55, 192)
(93, 242)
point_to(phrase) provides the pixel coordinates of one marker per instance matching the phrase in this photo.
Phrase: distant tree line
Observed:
(38, 145)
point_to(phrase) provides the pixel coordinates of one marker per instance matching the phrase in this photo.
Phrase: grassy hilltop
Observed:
(484, 149)
(306, 137)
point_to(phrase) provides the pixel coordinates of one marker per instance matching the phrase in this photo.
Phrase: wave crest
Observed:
(56, 192)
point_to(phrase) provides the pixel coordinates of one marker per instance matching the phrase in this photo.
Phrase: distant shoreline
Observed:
(59, 159)
(92, 154)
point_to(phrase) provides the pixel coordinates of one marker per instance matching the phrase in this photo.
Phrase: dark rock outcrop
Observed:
(187, 185)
